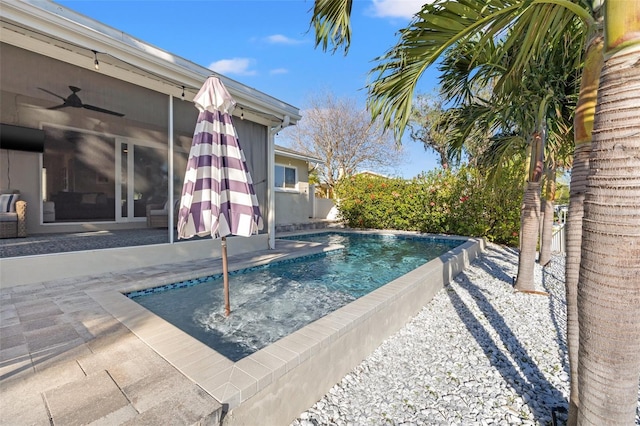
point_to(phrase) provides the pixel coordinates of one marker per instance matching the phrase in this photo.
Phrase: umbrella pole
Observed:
(225, 274)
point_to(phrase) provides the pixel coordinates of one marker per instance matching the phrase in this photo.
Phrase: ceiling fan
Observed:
(73, 100)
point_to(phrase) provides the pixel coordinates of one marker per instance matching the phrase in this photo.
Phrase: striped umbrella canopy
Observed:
(218, 198)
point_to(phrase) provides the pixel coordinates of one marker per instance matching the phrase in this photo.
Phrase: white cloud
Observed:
(397, 8)
(240, 66)
(281, 39)
(279, 71)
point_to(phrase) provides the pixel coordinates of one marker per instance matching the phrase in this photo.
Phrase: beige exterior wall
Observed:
(292, 206)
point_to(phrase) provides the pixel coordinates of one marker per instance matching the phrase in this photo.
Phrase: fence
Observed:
(558, 239)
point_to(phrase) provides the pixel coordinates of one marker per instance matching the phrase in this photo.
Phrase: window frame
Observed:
(295, 188)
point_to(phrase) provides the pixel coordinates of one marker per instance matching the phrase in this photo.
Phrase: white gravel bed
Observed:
(479, 353)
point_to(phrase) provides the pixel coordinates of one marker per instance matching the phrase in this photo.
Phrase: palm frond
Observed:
(463, 79)
(439, 26)
(331, 20)
(502, 151)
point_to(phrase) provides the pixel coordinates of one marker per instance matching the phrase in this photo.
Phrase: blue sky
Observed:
(268, 45)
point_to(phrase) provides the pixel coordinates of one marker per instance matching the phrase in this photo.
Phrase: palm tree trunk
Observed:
(609, 287)
(530, 220)
(547, 217)
(583, 126)
(530, 216)
(573, 243)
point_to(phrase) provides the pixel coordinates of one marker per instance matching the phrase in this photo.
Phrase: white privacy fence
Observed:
(558, 239)
(324, 209)
(319, 207)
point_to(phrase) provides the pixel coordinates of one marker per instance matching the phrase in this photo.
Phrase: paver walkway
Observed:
(65, 361)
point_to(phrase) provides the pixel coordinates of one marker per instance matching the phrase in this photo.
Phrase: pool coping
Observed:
(253, 385)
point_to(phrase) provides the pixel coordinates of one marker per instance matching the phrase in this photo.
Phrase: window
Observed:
(80, 172)
(286, 177)
(86, 183)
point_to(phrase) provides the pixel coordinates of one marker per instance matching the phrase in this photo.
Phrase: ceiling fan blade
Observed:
(51, 93)
(106, 111)
(58, 106)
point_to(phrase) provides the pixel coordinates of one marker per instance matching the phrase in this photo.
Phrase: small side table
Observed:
(48, 211)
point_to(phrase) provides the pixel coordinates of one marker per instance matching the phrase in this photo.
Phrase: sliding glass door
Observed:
(92, 177)
(143, 179)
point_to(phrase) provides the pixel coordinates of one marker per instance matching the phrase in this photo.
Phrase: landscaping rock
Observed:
(478, 353)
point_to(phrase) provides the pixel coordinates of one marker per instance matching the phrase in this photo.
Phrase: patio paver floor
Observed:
(65, 360)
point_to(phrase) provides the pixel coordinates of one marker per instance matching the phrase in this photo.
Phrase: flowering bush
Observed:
(457, 202)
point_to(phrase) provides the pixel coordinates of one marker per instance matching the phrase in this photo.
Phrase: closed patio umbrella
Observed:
(218, 198)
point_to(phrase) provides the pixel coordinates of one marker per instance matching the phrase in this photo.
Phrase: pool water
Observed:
(270, 302)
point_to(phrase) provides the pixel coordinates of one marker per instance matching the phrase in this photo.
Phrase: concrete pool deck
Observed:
(77, 351)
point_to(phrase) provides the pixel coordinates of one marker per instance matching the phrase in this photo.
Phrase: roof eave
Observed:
(47, 17)
(297, 156)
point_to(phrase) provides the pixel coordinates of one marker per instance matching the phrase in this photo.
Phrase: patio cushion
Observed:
(8, 217)
(83, 206)
(101, 198)
(8, 202)
(13, 214)
(165, 208)
(158, 214)
(89, 198)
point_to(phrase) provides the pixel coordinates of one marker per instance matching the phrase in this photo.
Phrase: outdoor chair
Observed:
(158, 214)
(13, 214)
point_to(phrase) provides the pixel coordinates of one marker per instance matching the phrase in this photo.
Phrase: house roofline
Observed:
(371, 173)
(35, 20)
(288, 152)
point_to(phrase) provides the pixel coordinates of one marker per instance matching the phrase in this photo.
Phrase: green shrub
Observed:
(457, 202)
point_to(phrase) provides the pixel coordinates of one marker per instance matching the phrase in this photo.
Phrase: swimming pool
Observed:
(274, 300)
(320, 353)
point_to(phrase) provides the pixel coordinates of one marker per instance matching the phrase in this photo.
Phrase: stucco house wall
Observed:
(292, 204)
